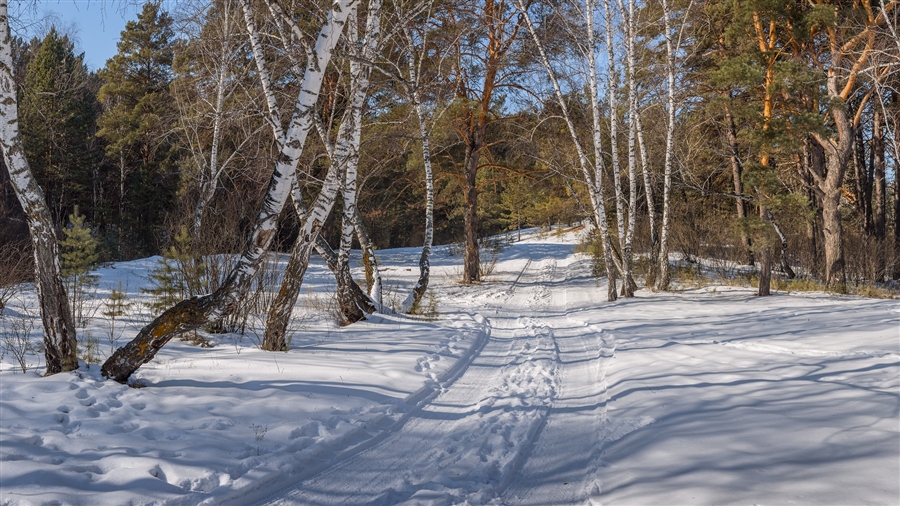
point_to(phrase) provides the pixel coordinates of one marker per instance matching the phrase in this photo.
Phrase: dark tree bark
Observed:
(737, 171)
(880, 196)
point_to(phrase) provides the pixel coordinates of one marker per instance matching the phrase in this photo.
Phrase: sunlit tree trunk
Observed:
(737, 170)
(59, 326)
(193, 313)
(663, 275)
(592, 174)
(421, 286)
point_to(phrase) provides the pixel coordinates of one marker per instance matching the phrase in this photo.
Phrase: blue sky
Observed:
(95, 25)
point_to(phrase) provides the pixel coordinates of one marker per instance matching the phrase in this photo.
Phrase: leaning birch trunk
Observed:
(345, 151)
(418, 291)
(59, 327)
(663, 274)
(193, 313)
(592, 180)
(277, 341)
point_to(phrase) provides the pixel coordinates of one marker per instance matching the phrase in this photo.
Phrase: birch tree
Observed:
(298, 265)
(209, 84)
(191, 314)
(592, 173)
(663, 274)
(415, 48)
(345, 151)
(59, 326)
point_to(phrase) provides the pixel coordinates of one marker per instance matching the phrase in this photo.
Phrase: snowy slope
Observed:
(527, 389)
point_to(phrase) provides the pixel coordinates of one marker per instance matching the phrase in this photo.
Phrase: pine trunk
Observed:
(59, 328)
(880, 196)
(765, 272)
(737, 171)
(471, 261)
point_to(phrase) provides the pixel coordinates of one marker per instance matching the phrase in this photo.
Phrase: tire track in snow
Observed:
(490, 415)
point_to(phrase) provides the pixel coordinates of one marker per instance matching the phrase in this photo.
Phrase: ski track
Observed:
(511, 413)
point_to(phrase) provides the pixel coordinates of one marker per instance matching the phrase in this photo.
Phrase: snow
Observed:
(528, 388)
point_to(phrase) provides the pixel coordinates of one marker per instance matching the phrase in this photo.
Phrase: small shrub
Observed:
(16, 334)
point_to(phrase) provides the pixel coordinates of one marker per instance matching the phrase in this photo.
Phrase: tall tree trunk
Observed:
(274, 338)
(629, 285)
(345, 156)
(593, 178)
(59, 328)
(765, 271)
(880, 197)
(471, 260)
(193, 313)
(612, 97)
(651, 205)
(353, 308)
(862, 183)
(837, 156)
(664, 279)
(421, 286)
(737, 170)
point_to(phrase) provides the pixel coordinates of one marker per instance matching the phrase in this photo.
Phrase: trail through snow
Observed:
(528, 389)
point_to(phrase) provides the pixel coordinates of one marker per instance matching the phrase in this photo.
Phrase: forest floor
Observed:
(528, 388)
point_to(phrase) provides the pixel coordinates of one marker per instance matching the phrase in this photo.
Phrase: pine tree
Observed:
(58, 120)
(117, 306)
(137, 123)
(79, 255)
(179, 275)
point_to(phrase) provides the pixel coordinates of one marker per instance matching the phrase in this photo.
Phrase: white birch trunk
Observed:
(593, 179)
(277, 339)
(345, 153)
(210, 177)
(628, 285)
(418, 291)
(191, 314)
(59, 326)
(614, 131)
(596, 114)
(663, 275)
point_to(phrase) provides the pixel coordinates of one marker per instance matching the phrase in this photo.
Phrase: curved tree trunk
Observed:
(593, 178)
(193, 313)
(59, 327)
(421, 286)
(370, 260)
(344, 154)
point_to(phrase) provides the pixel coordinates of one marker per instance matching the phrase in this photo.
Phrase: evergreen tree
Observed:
(137, 123)
(178, 276)
(58, 122)
(79, 255)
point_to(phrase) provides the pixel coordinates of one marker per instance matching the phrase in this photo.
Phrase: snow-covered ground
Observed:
(529, 388)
